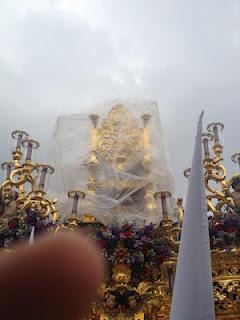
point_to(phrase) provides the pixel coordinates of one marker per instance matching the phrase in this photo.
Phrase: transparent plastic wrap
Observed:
(115, 153)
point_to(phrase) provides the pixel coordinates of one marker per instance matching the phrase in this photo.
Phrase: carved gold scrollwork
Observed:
(215, 172)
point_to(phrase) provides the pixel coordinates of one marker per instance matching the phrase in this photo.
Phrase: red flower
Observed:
(127, 234)
(218, 226)
(161, 258)
(102, 243)
(231, 228)
(13, 224)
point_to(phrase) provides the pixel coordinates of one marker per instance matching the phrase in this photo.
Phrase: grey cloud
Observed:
(184, 54)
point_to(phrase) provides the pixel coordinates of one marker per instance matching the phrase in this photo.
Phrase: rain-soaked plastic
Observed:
(115, 153)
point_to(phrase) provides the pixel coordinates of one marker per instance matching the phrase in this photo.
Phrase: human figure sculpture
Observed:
(235, 183)
(8, 206)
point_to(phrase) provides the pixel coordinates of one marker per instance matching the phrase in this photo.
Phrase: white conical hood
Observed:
(193, 289)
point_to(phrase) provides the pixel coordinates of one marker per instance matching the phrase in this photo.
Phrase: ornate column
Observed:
(147, 161)
(92, 165)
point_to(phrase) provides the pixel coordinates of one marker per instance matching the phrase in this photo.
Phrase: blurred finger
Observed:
(56, 278)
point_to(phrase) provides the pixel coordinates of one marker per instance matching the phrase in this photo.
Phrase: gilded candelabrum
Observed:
(21, 189)
(130, 293)
(217, 186)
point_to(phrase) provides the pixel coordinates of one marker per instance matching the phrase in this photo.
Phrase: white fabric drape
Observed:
(193, 289)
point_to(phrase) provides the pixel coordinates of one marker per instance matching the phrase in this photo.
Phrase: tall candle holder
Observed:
(43, 170)
(163, 199)
(21, 173)
(36, 199)
(206, 138)
(75, 195)
(30, 145)
(21, 177)
(217, 186)
(8, 166)
(19, 136)
(168, 230)
(215, 128)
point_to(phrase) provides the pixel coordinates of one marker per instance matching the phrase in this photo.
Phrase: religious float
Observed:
(112, 182)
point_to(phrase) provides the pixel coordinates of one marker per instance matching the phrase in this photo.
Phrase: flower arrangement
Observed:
(137, 247)
(18, 229)
(225, 234)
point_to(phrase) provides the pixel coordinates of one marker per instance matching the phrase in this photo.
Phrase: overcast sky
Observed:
(60, 56)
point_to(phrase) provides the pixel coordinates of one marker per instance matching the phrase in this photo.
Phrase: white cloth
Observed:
(193, 289)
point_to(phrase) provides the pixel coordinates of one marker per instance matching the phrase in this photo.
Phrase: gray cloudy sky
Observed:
(59, 56)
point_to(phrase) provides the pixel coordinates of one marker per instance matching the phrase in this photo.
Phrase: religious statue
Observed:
(117, 156)
(235, 183)
(8, 206)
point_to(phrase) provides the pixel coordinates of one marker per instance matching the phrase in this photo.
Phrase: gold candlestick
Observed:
(43, 169)
(18, 135)
(165, 198)
(8, 166)
(30, 145)
(215, 128)
(76, 195)
(206, 138)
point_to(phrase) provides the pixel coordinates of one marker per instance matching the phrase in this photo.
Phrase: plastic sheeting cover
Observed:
(119, 165)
